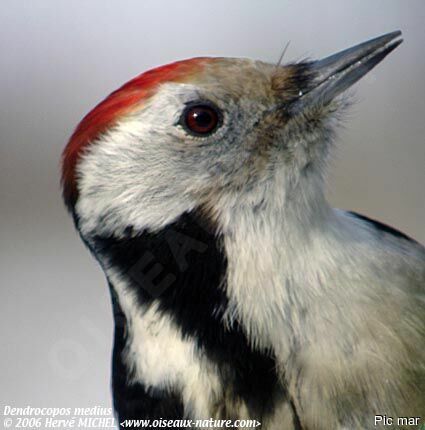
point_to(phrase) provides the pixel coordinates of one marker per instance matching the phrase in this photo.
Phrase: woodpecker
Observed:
(238, 292)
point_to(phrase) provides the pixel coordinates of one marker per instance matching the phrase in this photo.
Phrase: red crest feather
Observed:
(122, 101)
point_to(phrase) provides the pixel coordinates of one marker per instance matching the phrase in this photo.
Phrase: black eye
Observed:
(201, 119)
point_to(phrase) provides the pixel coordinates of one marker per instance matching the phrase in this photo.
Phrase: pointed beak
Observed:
(332, 75)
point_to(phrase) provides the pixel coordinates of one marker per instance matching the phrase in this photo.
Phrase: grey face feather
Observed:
(148, 170)
(340, 306)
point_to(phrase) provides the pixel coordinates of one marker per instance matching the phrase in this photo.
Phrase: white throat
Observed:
(279, 258)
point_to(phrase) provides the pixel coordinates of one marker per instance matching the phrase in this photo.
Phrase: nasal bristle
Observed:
(119, 103)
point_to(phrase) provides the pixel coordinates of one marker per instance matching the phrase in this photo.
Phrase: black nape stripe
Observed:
(296, 418)
(383, 228)
(134, 401)
(183, 267)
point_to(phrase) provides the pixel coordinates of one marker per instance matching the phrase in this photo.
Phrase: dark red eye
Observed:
(201, 119)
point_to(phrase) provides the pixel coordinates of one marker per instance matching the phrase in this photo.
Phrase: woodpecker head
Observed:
(219, 134)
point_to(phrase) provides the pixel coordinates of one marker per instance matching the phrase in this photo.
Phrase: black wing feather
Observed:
(383, 228)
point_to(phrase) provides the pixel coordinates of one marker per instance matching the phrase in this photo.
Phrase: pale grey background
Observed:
(59, 58)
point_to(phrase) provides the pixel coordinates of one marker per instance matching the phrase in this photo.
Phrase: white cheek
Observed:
(138, 174)
(128, 180)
